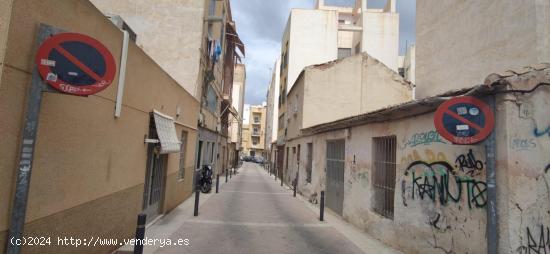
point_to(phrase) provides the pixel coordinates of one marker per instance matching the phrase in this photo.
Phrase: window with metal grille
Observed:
(309, 165)
(383, 175)
(181, 172)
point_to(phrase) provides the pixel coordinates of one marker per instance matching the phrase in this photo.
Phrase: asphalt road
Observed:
(254, 214)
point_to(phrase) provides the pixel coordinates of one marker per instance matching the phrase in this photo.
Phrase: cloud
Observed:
(260, 24)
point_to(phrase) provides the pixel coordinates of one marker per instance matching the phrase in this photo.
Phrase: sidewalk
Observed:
(254, 214)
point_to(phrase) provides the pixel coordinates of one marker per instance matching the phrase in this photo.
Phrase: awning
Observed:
(234, 37)
(166, 132)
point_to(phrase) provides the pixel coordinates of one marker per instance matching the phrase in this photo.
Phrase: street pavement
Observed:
(254, 214)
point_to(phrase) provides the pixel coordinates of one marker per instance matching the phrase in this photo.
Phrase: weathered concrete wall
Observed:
(348, 87)
(440, 188)
(84, 156)
(459, 42)
(169, 31)
(526, 227)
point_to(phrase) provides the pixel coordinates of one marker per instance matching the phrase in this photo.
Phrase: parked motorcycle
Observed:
(205, 180)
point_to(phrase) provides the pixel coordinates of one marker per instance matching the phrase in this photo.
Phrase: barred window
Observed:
(384, 165)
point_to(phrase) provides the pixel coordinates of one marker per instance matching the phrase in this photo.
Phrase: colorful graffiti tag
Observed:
(540, 133)
(424, 138)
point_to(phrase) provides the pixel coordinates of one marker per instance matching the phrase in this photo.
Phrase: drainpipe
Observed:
(492, 218)
(122, 73)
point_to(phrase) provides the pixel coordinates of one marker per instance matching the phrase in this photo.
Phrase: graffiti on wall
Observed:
(468, 164)
(523, 144)
(424, 138)
(439, 182)
(540, 133)
(538, 240)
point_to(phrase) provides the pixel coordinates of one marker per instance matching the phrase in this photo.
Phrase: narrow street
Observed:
(254, 214)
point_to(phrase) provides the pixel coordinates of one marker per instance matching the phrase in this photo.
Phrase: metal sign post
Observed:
(26, 153)
(65, 64)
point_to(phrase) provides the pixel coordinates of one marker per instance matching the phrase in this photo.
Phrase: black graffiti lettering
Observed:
(543, 244)
(438, 181)
(467, 163)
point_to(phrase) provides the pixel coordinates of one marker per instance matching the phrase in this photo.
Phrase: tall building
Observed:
(236, 121)
(508, 35)
(221, 50)
(327, 33)
(254, 132)
(272, 113)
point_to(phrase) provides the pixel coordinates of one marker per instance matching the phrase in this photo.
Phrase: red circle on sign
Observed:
(53, 43)
(482, 134)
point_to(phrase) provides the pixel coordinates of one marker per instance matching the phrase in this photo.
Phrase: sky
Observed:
(260, 24)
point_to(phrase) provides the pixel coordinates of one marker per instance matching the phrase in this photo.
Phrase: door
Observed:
(335, 175)
(154, 182)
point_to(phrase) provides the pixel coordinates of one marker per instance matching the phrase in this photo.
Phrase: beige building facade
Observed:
(90, 176)
(236, 120)
(170, 32)
(478, 38)
(254, 132)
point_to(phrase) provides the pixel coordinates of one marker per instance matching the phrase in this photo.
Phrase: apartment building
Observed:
(328, 33)
(236, 121)
(272, 113)
(94, 169)
(221, 50)
(254, 133)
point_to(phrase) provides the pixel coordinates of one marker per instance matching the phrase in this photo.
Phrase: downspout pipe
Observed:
(122, 74)
(492, 215)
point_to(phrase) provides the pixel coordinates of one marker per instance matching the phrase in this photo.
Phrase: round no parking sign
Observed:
(75, 64)
(464, 120)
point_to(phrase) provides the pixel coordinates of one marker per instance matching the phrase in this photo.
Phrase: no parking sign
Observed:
(75, 63)
(464, 120)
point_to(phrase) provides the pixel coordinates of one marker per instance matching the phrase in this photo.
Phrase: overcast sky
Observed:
(260, 24)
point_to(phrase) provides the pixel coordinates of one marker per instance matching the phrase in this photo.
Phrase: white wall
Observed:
(381, 36)
(313, 40)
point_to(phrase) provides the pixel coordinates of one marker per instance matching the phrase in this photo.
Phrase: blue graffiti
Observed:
(538, 133)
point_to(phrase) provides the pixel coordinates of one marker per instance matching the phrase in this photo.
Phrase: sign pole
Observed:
(26, 153)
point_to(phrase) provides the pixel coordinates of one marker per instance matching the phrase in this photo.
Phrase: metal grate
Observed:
(384, 166)
(309, 165)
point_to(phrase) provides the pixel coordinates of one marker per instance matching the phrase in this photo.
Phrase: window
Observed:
(212, 154)
(384, 175)
(181, 172)
(344, 52)
(212, 9)
(211, 99)
(199, 155)
(309, 164)
(255, 140)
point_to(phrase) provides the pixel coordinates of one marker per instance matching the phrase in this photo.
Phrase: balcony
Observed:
(256, 134)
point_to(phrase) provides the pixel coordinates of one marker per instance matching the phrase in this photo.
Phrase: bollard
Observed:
(281, 178)
(295, 187)
(230, 173)
(217, 182)
(226, 174)
(322, 206)
(140, 233)
(196, 210)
